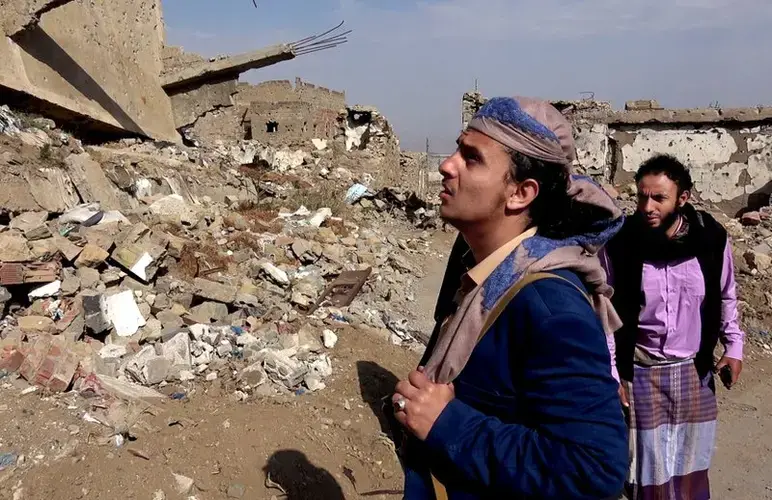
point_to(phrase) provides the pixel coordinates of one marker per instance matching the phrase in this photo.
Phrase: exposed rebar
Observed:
(323, 41)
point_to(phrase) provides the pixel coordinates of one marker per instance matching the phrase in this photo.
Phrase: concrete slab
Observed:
(19, 14)
(76, 60)
(225, 67)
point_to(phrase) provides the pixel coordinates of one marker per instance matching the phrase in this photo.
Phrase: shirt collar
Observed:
(480, 272)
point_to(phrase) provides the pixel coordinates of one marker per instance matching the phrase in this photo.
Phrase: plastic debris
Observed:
(7, 460)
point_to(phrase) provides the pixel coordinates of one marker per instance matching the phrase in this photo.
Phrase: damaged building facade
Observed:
(729, 151)
(67, 59)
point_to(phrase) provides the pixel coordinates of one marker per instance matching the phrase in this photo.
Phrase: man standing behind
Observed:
(516, 398)
(673, 278)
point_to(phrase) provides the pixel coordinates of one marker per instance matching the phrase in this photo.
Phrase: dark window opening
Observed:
(272, 127)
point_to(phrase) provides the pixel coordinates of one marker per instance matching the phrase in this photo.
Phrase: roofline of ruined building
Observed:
(600, 112)
(696, 116)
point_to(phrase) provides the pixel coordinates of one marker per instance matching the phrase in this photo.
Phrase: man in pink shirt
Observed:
(673, 276)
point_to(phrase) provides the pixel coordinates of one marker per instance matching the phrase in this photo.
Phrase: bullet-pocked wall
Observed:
(729, 151)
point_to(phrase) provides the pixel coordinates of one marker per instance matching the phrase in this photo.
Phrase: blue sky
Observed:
(414, 60)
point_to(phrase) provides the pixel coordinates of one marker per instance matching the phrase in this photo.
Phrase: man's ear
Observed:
(521, 194)
(684, 197)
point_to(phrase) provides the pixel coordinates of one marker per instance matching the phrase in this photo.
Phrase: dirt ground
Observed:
(326, 445)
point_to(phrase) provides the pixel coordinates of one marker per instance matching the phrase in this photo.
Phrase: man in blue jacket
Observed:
(514, 397)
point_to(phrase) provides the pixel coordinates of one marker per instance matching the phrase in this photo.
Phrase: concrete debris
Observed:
(44, 291)
(8, 123)
(173, 209)
(184, 484)
(13, 247)
(140, 264)
(91, 256)
(122, 311)
(214, 291)
(329, 339)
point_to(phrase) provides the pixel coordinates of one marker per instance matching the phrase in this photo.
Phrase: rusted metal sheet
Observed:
(343, 290)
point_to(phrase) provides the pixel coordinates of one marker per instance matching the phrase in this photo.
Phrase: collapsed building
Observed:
(70, 58)
(183, 174)
(729, 151)
(67, 59)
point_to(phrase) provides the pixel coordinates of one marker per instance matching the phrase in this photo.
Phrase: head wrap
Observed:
(530, 126)
(536, 129)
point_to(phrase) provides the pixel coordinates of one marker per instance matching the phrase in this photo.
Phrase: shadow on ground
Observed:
(291, 472)
(376, 384)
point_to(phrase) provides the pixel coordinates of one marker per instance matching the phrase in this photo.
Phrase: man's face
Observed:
(474, 181)
(659, 201)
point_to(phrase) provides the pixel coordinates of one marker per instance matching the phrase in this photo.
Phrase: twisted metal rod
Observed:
(322, 41)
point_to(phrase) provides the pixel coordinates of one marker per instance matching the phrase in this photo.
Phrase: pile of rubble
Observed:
(160, 264)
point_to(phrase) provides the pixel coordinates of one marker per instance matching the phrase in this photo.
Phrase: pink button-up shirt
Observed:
(670, 324)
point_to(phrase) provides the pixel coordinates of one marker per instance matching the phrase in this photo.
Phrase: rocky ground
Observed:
(176, 322)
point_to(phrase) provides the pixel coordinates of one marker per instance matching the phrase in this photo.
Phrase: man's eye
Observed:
(471, 158)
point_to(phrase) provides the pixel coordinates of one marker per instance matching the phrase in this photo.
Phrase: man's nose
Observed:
(449, 166)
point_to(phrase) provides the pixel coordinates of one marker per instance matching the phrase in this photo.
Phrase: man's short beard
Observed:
(667, 222)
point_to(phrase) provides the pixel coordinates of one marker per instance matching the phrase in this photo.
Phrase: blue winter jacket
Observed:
(536, 413)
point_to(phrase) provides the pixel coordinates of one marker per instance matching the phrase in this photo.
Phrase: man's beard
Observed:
(668, 222)
(656, 243)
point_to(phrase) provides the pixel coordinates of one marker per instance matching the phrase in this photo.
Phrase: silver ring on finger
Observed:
(400, 404)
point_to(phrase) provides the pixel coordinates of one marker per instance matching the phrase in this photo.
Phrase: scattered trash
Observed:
(48, 290)
(7, 460)
(344, 289)
(139, 453)
(356, 193)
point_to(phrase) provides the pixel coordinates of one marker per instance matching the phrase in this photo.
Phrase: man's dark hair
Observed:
(671, 167)
(553, 211)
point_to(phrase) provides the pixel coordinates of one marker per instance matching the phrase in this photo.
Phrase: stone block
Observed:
(215, 291)
(13, 247)
(642, 104)
(91, 256)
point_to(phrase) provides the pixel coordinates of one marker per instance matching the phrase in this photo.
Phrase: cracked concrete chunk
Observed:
(141, 260)
(177, 350)
(91, 182)
(173, 209)
(91, 256)
(28, 221)
(52, 189)
(207, 312)
(14, 248)
(67, 248)
(124, 314)
(215, 291)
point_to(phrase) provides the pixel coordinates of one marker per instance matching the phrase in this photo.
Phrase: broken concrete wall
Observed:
(279, 111)
(367, 145)
(189, 103)
(95, 61)
(274, 112)
(19, 14)
(729, 151)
